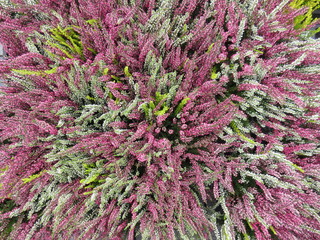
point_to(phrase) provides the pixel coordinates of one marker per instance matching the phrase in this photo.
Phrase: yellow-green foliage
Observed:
(214, 73)
(149, 107)
(181, 105)
(92, 21)
(243, 137)
(32, 177)
(67, 40)
(306, 19)
(93, 177)
(126, 71)
(2, 171)
(38, 73)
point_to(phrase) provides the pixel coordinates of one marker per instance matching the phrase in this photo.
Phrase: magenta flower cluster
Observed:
(158, 119)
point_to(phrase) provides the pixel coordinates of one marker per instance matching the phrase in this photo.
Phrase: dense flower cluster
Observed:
(158, 119)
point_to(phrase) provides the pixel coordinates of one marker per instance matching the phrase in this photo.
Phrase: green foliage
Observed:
(68, 40)
(2, 172)
(6, 206)
(306, 19)
(242, 136)
(214, 73)
(32, 177)
(180, 106)
(148, 108)
(105, 71)
(210, 47)
(94, 176)
(37, 73)
(126, 71)
(92, 21)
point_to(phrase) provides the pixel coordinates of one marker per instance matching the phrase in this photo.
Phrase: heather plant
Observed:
(158, 120)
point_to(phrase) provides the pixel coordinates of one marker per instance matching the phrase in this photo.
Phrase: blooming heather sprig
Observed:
(158, 119)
